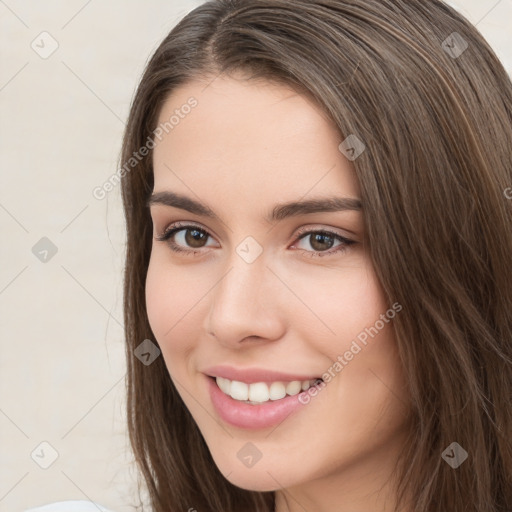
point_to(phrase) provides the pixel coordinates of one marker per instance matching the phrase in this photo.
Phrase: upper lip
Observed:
(252, 375)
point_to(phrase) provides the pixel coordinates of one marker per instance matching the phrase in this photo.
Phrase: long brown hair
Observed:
(422, 89)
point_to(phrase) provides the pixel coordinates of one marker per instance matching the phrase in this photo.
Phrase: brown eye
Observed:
(185, 238)
(188, 238)
(195, 237)
(321, 243)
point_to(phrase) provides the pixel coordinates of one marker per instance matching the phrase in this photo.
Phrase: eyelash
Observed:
(303, 233)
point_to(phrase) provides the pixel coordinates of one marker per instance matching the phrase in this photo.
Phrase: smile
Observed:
(256, 405)
(261, 392)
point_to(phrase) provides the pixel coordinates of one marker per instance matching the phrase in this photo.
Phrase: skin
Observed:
(245, 147)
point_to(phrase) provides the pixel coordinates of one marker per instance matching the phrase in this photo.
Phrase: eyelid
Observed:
(182, 225)
(319, 228)
(303, 232)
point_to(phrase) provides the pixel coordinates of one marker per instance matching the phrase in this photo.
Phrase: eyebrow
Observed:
(279, 212)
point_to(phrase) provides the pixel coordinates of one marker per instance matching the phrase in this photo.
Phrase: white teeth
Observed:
(277, 391)
(239, 390)
(260, 392)
(224, 384)
(293, 388)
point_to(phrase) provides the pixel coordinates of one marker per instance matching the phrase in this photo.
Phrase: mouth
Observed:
(257, 405)
(261, 392)
(259, 398)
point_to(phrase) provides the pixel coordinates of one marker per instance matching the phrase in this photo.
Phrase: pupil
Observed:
(322, 240)
(194, 237)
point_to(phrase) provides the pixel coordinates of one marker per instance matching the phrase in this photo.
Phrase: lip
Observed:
(253, 417)
(253, 375)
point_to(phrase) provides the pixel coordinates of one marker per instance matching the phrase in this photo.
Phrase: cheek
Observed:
(171, 300)
(345, 301)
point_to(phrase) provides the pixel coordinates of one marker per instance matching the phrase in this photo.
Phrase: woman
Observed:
(318, 288)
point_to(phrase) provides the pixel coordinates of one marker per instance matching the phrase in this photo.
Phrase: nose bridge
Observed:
(242, 304)
(241, 286)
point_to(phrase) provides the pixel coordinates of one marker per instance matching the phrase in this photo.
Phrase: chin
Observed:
(259, 478)
(258, 482)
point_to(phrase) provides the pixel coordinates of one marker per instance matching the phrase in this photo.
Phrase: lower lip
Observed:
(242, 415)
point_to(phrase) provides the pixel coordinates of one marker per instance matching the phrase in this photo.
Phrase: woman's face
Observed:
(267, 296)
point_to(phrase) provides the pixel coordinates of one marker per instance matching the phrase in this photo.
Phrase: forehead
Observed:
(255, 138)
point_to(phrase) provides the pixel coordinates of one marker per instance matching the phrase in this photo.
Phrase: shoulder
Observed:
(70, 506)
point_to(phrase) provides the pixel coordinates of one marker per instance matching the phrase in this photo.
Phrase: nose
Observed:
(246, 304)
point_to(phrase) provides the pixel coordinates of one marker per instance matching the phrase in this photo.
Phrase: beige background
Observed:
(62, 355)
